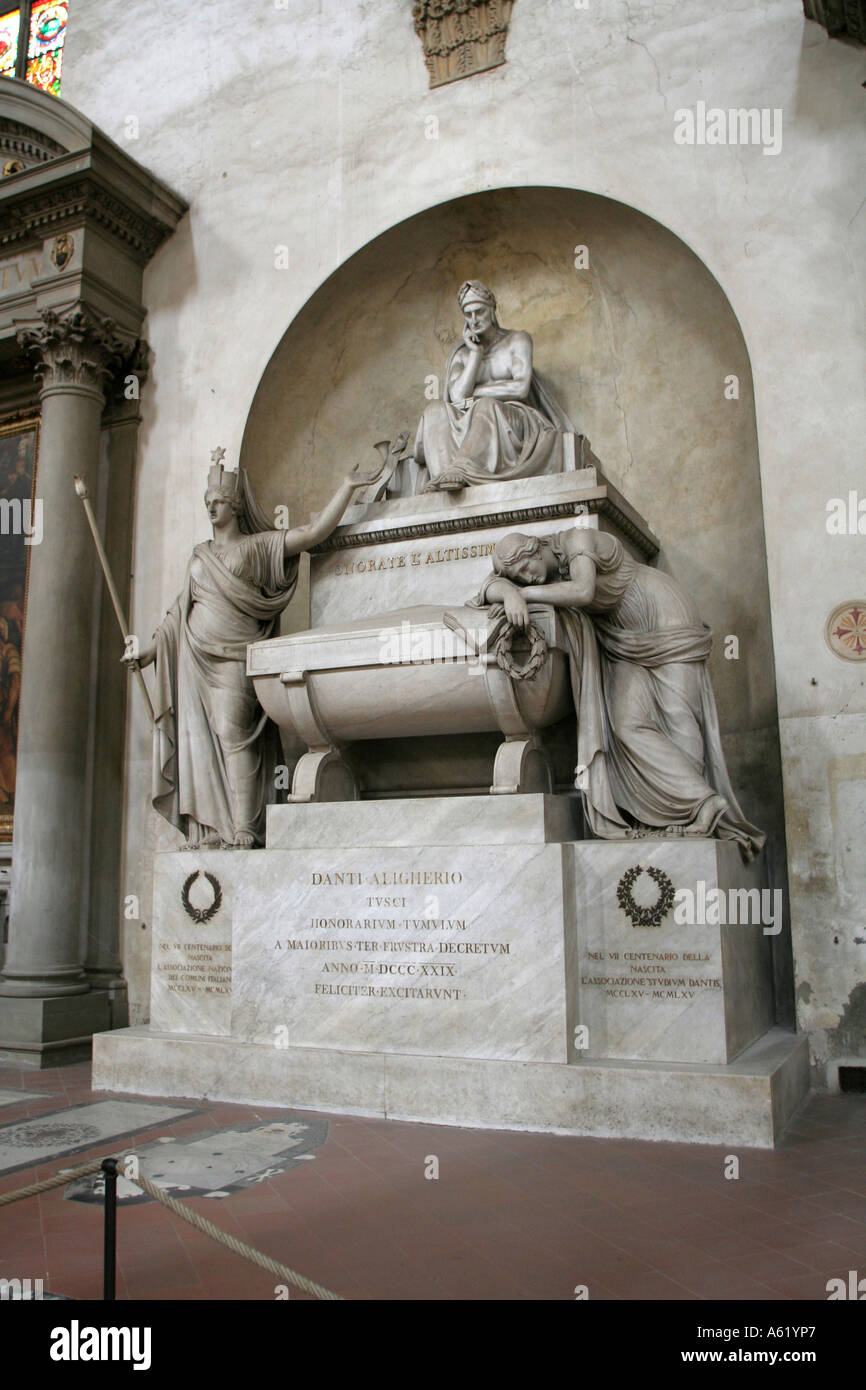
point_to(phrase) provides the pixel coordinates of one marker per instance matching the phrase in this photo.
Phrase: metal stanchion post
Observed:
(109, 1258)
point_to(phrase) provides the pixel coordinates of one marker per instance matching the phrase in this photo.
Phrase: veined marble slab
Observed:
(16, 1097)
(532, 819)
(448, 950)
(463, 927)
(745, 1103)
(191, 967)
(365, 580)
(214, 1164)
(436, 548)
(672, 992)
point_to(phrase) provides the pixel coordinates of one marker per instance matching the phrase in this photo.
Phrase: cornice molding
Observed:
(602, 505)
(74, 174)
(77, 200)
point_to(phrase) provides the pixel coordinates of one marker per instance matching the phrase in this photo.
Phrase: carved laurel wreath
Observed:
(201, 914)
(645, 916)
(537, 653)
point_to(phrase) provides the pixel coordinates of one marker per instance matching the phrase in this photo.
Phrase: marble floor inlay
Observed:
(63, 1132)
(214, 1164)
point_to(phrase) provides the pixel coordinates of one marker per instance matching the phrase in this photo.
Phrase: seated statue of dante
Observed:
(648, 744)
(497, 419)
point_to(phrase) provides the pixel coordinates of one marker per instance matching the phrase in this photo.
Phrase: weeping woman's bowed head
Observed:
(512, 549)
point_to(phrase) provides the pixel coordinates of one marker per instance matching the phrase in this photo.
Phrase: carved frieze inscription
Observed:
(17, 274)
(360, 580)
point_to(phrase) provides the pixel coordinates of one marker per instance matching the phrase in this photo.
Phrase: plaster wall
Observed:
(306, 128)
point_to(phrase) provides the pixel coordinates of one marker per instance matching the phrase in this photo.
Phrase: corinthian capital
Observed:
(461, 37)
(75, 347)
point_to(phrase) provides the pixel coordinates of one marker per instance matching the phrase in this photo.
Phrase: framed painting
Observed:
(19, 450)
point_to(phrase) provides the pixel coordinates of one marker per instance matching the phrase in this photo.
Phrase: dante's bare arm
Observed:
(515, 387)
(464, 370)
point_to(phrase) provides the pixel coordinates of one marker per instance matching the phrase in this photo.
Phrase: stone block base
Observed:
(746, 1103)
(467, 961)
(52, 1032)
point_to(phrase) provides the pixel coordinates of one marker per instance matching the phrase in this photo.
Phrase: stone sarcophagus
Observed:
(397, 689)
(419, 672)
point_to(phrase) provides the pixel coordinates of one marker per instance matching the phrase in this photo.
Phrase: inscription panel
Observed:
(663, 991)
(191, 969)
(449, 951)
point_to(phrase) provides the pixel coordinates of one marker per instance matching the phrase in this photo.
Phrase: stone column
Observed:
(74, 353)
(103, 961)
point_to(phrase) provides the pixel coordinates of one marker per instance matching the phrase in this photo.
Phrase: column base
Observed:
(52, 1032)
(42, 984)
(115, 986)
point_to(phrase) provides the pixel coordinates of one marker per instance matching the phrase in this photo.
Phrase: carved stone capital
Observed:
(461, 37)
(76, 347)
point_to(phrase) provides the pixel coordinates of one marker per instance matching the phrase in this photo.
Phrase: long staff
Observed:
(81, 491)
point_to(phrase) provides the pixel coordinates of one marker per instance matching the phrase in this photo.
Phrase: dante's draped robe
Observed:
(647, 727)
(205, 704)
(489, 438)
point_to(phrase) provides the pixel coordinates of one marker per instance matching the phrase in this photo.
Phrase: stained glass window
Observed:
(45, 49)
(31, 42)
(9, 24)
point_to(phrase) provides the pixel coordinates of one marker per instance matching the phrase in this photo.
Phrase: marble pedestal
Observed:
(458, 960)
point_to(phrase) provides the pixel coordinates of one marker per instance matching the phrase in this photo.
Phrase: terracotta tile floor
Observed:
(511, 1215)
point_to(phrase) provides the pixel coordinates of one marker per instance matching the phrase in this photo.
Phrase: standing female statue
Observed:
(215, 750)
(648, 742)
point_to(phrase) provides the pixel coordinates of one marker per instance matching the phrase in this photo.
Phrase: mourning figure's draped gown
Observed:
(648, 731)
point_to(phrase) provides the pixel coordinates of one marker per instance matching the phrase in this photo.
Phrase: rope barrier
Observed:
(46, 1185)
(239, 1247)
(232, 1243)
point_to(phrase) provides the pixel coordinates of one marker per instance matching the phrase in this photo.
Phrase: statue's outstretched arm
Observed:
(304, 537)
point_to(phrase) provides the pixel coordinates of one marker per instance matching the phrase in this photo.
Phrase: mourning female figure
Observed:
(649, 749)
(215, 750)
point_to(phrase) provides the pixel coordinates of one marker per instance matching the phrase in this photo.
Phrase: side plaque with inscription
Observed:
(191, 973)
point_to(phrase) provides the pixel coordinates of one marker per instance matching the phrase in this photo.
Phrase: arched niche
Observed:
(638, 347)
